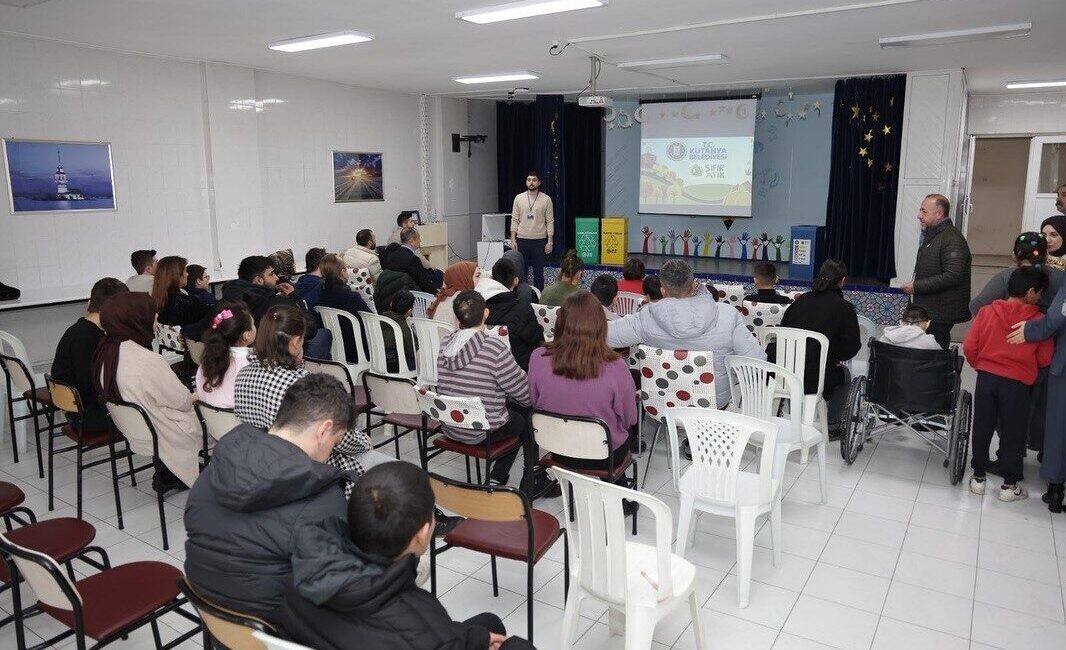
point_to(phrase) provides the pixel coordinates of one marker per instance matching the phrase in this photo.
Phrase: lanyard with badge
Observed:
(531, 205)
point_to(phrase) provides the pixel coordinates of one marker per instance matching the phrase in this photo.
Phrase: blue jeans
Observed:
(318, 347)
(532, 251)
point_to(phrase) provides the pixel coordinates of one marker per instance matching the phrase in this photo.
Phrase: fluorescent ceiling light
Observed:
(958, 35)
(321, 40)
(492, 78)
(1036, 84)
(516, 10)
(677, 62)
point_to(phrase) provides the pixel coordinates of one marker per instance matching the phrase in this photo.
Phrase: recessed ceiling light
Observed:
(492, 78)
(677, 62)
(516, 10)
(958, 35)
(321, 40)
(1036, 84)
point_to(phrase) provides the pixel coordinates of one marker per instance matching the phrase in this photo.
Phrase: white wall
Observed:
(1020, 114)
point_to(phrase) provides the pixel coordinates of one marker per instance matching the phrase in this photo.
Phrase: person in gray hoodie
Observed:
(268, 510)
(1030, 249)
(688, 318)
(911, 331)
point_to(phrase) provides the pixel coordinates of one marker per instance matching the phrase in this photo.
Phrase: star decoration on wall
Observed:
(888, 167)
(869, 135)
(869, 162)
(862, 151)
(876, 116)
(855, 110)
(817, 106)
(887, 130)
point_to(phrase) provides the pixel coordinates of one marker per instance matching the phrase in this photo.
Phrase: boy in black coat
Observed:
(390, 519)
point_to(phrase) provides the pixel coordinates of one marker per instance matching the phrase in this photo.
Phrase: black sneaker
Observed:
(164, 481)
(445, 523)
(544, 487)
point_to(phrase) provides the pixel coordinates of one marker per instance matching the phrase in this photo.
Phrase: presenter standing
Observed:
(532, 227)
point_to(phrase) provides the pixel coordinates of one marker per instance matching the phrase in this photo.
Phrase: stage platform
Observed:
(872, 298)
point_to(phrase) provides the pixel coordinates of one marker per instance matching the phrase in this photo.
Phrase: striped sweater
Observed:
(485, 368)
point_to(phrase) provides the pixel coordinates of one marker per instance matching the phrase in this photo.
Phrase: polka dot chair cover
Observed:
(500, 331)
(362, 281)
(546, 316)
(169, 337)
(762, 314)
(675, 378)
(731, 293)
(457, 412)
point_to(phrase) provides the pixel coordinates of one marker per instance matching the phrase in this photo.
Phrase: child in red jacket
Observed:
(1005, 375)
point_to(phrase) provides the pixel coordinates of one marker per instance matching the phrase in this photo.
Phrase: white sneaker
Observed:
(1013, 494)
(977, 485)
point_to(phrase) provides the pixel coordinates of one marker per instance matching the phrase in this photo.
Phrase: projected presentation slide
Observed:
(696, 158)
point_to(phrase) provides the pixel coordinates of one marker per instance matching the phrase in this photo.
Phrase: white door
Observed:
(1047, 170)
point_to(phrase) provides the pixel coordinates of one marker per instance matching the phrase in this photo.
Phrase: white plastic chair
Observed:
(274, 643)
(755, 385)
(427, 334)
(791, 354)
(716, 484)
(546, 316)
(626, 303)
(859, 365)
(362, 280)
(331, 319)
(375, 339)
(196, 350)
(731, 293)
(758, 315)
(422, 302)
(641, 584)
(500, 331)
(536, 292)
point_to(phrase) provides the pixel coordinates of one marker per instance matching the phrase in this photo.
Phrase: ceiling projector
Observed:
(594, 101)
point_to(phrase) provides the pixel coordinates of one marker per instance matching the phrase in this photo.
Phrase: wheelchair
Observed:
(919, 390)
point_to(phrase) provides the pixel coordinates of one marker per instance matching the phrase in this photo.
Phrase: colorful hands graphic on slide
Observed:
(718, 249)
(685, 236)
(648, 234)
(696, 241)
(662, 245)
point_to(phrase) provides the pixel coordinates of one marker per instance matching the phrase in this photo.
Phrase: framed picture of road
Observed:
(357, 177)
(59, 176)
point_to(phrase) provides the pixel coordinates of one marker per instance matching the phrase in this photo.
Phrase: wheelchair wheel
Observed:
(856, 411)
(959, 438)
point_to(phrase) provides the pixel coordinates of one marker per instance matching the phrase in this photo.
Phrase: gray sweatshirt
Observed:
(996, 289)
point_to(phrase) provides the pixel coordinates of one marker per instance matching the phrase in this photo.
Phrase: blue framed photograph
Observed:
(56, 176)
(357, 177)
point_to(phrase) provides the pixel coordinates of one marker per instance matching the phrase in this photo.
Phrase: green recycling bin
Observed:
(587, 238)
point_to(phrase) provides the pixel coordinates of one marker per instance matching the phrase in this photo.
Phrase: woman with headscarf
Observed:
(127, 369)
(461, 276)
(1054, 231)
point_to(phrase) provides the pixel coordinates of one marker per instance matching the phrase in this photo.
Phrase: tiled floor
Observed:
(898, 558)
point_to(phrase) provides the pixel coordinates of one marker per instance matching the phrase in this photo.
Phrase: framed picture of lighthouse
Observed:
(58, 176)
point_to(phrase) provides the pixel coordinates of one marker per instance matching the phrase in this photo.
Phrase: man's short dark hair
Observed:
(364, 236)
(765, 273)
(408, 235)
(914, 314)
(403, 218)
(253, 266)
(653, 288)
(469, 308)
(534, 175)
(676, 276)
(313, 258)
(1025, 278)
(942, 203)
(312, 399)
(633, 269)
(141, 259)
(388, 506)
(504, 272)
(605, 288)
(402, 301)
(104, 289)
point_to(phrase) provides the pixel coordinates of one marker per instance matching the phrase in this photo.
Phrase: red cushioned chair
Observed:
(499, 522)
(11, 498)
(397, 399)
(103, 606)
(462, 413)
(22, 388)
(230, 629)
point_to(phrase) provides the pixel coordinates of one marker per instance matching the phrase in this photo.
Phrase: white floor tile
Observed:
(791, 573)
(1035, 537)
(888, 485)
(931, 609)
(723, 631)
(937, 543)
(936, 574)
(1020, 595)
(793, 642)
(830, 623)
(797, 540)
(1038, 567)
(871, 528)
(959, 522)
(894, 635)
(1009, 630)
(472, 597)
(767, 605)
(860, 556)
(848, 587)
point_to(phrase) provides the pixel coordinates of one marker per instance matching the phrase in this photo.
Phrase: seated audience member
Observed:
(336, 293)
(364, 254)
(394, 241)
(403, 222)
(275, 363)
(125, 368)
(1030, 249)
(461, 276)
(143, 262)
(387, 285)
(310, 283)
(199, 285)
(257, 286)
(73, 361)
(268, 511)
(652, 289)
(226, 346)
(632, 276)
(825, 310)
(911, 331)
(390, 520)
(687, 318)
(524, 289)
(406, 258)
(508, 307)
(175, 307)
(765, 276)
(1054, 230)
(605, 288)
(474, 364)
(1006, 373)
(570, 270)
(403, 303)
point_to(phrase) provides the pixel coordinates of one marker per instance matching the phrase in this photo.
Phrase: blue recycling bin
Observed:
(808, 252)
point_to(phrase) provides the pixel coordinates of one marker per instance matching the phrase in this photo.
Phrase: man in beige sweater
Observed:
(532, 227)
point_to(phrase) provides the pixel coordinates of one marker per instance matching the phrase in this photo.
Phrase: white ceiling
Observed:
(420, 45)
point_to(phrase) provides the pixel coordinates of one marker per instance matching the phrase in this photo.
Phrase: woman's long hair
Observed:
(830, 275)
(457, 277)
(571, 266)
(124, 317)
(167, 279)
(332, 269)
(278, 326)
(580, 346)
(231, 321)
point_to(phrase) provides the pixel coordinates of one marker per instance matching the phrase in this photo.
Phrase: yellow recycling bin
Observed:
(614, 240)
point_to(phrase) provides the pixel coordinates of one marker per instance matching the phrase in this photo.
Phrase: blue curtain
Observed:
(583, 152)
(863, 174)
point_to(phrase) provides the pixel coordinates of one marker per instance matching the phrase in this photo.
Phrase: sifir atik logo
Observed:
(676, 151)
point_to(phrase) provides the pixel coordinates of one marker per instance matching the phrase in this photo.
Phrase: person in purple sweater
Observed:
(577, 374)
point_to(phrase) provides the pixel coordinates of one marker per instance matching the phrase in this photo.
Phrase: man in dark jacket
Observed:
(509, 307)
(387, 285)
(405, 258)
(268, 511)
(942, 272)
(390, 520)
